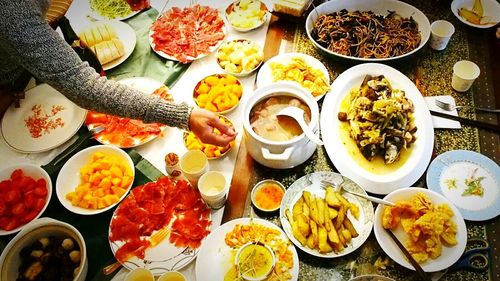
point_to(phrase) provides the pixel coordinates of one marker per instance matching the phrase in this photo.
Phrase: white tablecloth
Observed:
(155, 151)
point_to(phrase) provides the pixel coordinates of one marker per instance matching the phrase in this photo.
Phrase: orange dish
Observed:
(125, 132)
(267, 195)
(218, 93)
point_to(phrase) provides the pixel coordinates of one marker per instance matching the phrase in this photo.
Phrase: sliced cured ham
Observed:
(189, 33)
(166, 203)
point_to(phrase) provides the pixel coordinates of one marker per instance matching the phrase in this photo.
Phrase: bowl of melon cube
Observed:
(240, 57)
(95, 179)
(219, 93)
(246, 15)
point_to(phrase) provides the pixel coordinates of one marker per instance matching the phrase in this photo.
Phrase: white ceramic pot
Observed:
(280, 154)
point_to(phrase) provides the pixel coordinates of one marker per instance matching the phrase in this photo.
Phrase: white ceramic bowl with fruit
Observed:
(99, 192)
(219, 93)
(25, 196)
(240, 57)
(246, 15)
(72, 253)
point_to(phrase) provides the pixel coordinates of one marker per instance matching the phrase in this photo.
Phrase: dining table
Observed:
(428, 69)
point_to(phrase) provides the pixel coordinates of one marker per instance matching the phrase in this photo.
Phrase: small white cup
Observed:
(172, 276)
(212, 186)
(140, 274)
(193, 164)
(441, 32)
(464, 74)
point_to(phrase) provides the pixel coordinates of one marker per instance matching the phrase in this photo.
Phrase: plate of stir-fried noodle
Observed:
(367, 30)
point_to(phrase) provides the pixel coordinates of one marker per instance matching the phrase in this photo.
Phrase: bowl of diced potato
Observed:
(240, 57)
(192, 142)
(219, 93)
(95, 179)
(246, 15)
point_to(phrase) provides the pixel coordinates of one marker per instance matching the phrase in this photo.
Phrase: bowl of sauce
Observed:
(254, 261)
(267, 195)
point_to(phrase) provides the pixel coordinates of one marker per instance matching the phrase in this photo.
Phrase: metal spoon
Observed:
(298, 114)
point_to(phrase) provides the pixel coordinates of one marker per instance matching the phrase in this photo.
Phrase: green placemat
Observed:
(144, 62)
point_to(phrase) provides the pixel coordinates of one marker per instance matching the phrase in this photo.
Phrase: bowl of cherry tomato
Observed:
(26, 191)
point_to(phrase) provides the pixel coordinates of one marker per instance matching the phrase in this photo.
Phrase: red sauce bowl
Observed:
(267, 195)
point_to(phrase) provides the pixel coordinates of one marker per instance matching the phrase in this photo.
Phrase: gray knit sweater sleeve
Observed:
(28, 40)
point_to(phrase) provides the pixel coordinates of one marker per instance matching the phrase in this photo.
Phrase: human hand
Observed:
(498, 32)
(202, 123)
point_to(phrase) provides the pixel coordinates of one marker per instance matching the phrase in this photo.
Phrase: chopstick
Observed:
(466, 121)
(415, 264)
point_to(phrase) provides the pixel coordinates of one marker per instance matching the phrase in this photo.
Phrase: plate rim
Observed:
(286, 225)
(398, 256)
(361, 60)
(436, 168)
(374, 183)
(245, 220)
(82, 111)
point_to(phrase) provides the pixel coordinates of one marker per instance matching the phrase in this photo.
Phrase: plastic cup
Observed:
(464, 74)
(441, 32)
(172, 276)
(212, 186)
(193, 164)
(140, 274)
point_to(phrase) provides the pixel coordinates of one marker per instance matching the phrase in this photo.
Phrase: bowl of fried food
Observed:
(326, 222)
(246, 15)
(219, 93)
(428, 225)
(240, 57)
(192, 142)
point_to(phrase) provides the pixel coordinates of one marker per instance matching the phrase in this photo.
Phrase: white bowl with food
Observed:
(26, 191)
(279, 142)
(436, 215)
(255, 261)
(335, 42)
(219, 93)
(87, 183)
(391, 154)
(246, 15)
(267, 194)
(240, 57)
(41, 238)
(477, 13)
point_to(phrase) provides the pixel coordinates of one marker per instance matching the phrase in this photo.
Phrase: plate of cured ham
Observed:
(187, 34)
(125, 132)
(160, 226)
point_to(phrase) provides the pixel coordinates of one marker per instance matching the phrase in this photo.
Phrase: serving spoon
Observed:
(298, 114)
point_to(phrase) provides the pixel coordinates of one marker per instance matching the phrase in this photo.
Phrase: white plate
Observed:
(17, 135)
(265, 76)
(215, 257)
(145, 85)
(166, 56)
(69, 176)
(449, 255)
(126, 34)
(491, 12)
(311, 182)
(165, 256)
(458, 165)
(96, 15)
(380, 7)
(411, 170)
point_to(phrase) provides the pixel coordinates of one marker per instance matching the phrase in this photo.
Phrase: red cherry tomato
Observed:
(12, 196)
(18, 209)
(41, 191)
(39, 204)
(29, 216)
(17, 174)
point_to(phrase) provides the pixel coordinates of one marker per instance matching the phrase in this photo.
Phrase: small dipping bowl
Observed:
(172, 276)
(263, 255)
(267, 195)
(140, 274)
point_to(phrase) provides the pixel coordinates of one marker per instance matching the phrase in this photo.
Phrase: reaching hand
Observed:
(202, 123)
(498, 32)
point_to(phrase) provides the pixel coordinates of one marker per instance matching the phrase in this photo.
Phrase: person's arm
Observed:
(30, 41)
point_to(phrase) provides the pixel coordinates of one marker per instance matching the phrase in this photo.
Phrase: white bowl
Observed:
(238, 82)
(69, 176)
(449, 255)
(242, 73)
(10, 259)
(261, 184)
(230, 9)
(35, 172)
(491, 12)
(268, 249)
(379, 7)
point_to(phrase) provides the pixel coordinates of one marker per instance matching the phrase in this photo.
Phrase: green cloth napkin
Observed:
(144, 62)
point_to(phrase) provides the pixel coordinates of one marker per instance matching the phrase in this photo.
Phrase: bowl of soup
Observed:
(278, 141)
